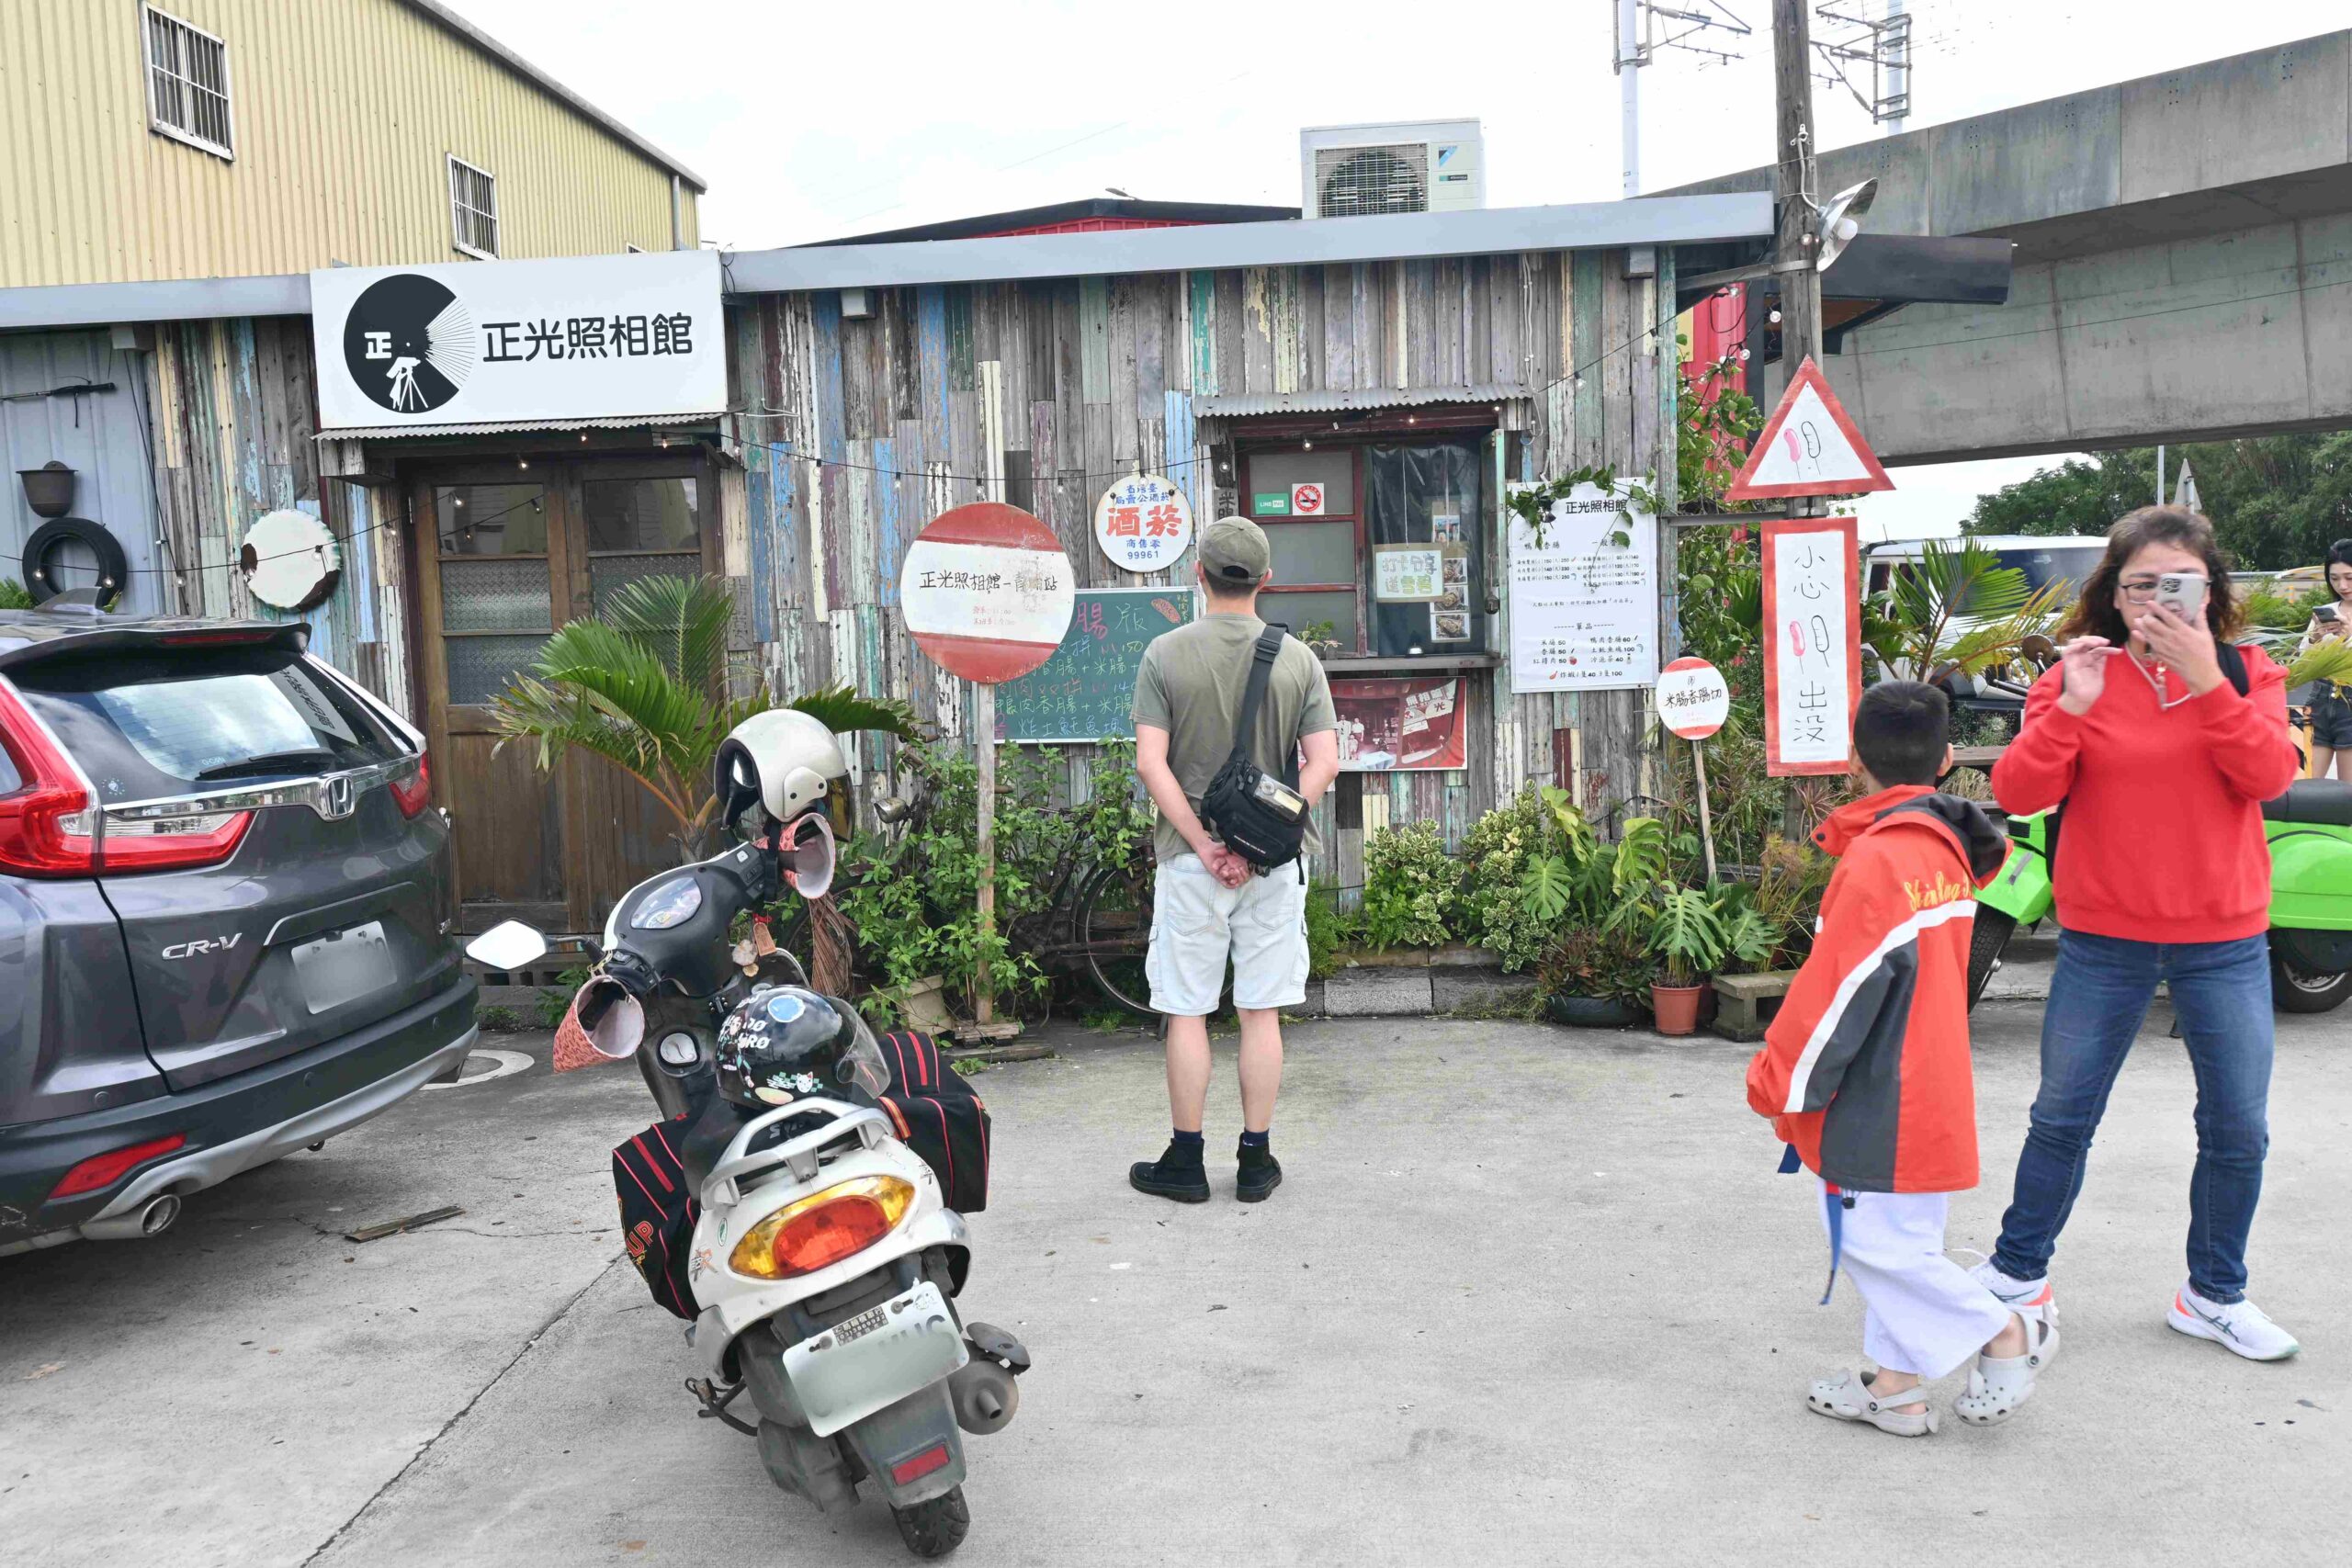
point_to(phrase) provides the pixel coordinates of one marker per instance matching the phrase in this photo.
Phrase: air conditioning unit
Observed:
(1423, 165)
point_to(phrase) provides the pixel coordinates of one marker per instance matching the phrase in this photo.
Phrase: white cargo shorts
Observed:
(1197, 922)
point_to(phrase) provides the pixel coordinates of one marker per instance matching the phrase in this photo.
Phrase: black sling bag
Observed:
(1262, 820)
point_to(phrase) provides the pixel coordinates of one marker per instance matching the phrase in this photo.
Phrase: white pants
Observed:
(1197, 922)
(1921, 1313)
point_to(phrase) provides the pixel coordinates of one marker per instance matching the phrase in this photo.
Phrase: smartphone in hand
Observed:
(2183, 593)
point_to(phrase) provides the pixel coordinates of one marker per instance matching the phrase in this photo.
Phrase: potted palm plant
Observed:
(642, 685)
(1576, 884)
(1688, 936)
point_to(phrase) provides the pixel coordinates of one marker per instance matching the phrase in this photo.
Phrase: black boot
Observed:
(1177, 1174)
(1261, 1174)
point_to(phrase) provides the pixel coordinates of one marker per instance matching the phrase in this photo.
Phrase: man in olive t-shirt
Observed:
(1209, 903)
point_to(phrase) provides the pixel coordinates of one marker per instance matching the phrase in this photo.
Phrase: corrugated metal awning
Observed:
(1367, 398)
(526, 427)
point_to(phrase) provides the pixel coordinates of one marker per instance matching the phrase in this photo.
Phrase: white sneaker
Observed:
(2030, 1299)
(2241, 1326)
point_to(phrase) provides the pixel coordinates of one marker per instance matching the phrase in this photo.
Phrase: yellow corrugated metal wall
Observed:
(344, 113)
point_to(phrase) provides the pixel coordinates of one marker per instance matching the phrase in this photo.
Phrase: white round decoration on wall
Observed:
(291, 559)
(1143, 522)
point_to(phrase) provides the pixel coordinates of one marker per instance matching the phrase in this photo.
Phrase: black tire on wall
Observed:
(113, 565)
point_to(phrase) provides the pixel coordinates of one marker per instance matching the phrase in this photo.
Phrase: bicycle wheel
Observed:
(1112, 923)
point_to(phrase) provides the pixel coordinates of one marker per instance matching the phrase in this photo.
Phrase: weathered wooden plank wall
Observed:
(234, 410)
(1044, 391)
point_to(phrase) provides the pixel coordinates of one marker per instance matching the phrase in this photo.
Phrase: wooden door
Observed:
(506, 552)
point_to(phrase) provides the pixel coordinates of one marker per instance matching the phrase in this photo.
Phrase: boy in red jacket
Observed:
(1865, 1073)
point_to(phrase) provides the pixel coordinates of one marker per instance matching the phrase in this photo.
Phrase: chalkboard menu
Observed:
(1086, 690)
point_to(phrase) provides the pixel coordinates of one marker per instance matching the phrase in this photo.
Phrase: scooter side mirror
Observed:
(506, 946)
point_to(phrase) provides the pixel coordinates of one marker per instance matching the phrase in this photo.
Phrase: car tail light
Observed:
(409, 794)
(103, 1171)
(820, 1230)
(46, 821)
(49, 828)
(922, 1464)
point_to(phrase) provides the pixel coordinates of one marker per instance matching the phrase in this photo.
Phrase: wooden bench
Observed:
(1746, 1003)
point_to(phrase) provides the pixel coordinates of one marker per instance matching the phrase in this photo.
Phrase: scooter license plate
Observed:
(875, 1360)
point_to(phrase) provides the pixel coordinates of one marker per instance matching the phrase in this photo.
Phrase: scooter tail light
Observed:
(823, 1228)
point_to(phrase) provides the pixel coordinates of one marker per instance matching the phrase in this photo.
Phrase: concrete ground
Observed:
(1528, 1296)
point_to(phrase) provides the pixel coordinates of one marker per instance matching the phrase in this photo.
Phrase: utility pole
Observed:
(1793, 184)
(1898, 65)
(1629, 92)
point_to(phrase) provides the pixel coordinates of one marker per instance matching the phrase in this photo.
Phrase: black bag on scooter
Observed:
(657, 1213)
(937, 1114)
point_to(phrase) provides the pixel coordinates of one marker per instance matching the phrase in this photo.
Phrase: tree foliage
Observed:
(2276, 501)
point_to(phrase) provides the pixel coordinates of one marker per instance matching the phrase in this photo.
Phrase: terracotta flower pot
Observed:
(1677, 1008)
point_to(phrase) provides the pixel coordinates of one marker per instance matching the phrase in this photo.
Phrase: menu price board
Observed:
(1584, 611)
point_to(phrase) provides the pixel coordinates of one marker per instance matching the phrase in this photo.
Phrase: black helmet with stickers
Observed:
(786, 1043)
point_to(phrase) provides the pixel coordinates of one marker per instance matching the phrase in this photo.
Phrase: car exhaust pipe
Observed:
(150, 1218)
(986, 1396)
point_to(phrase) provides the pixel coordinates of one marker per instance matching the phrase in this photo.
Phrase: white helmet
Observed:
(784, 760)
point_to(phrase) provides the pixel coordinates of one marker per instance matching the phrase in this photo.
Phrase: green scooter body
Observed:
(2309, 832)
(2020, 889)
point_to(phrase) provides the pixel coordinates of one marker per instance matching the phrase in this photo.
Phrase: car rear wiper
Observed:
(272, 762)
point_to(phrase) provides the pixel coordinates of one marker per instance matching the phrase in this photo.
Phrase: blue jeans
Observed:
(2098, 998)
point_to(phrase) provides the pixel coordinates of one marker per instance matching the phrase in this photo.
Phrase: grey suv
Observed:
(224, 915)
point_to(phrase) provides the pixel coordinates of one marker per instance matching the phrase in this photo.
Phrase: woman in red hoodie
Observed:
(2161, 740)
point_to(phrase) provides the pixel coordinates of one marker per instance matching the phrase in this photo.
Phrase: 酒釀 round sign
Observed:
(987, 592)
(1143, 524)
(1693, 700)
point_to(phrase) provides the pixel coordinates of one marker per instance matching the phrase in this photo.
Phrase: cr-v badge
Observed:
(209, 944)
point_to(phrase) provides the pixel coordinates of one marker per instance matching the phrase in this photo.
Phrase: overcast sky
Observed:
(812, 121)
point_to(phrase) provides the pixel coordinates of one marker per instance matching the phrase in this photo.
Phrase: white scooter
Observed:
(824, 1268)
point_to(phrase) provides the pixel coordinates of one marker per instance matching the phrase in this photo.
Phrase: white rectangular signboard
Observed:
(1584, 610)
(571, 337)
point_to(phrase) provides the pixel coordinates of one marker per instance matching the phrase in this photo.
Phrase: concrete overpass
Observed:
(2183, 269)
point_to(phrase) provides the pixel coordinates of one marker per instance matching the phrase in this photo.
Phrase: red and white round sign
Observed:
(987, 592)
(1307, 501)
(1693, 700)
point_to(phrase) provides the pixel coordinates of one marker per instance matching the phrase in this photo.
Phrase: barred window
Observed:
(473, 210)
(187, 84)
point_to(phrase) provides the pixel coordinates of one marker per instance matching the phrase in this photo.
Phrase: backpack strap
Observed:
(2232, 659)
(1262, 668)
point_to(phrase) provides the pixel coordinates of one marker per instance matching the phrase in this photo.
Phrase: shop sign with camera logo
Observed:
(573, 337)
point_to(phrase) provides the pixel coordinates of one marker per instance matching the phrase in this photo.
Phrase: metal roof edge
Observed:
(1246, 405)
(442, 16)
(1649, 220)
(157, 300)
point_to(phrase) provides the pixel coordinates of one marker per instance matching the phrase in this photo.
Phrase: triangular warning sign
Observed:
(1809, 446)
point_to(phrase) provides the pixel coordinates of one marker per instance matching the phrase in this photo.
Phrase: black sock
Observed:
(1184, 1148)
(1257, 1142)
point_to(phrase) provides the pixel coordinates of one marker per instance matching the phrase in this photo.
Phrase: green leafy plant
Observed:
(1715, 422)
(13, 596)
(555, 1002)
(1956, 610)
(640, 686)
(1327, 930)
(1410, 888)
(498, 1020)
(1597, 962)
(1322, 637)
(1534, 863)
(1685, 933)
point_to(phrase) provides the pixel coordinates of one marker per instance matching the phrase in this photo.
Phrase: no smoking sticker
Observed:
(1307, 501)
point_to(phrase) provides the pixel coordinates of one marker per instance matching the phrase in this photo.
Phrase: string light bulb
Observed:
(1773, 317)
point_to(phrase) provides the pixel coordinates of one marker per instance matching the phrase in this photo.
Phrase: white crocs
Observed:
(1996, 1386)
(1848, 1397)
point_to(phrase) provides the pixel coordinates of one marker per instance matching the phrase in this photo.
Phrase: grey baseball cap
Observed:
(1234, 551)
